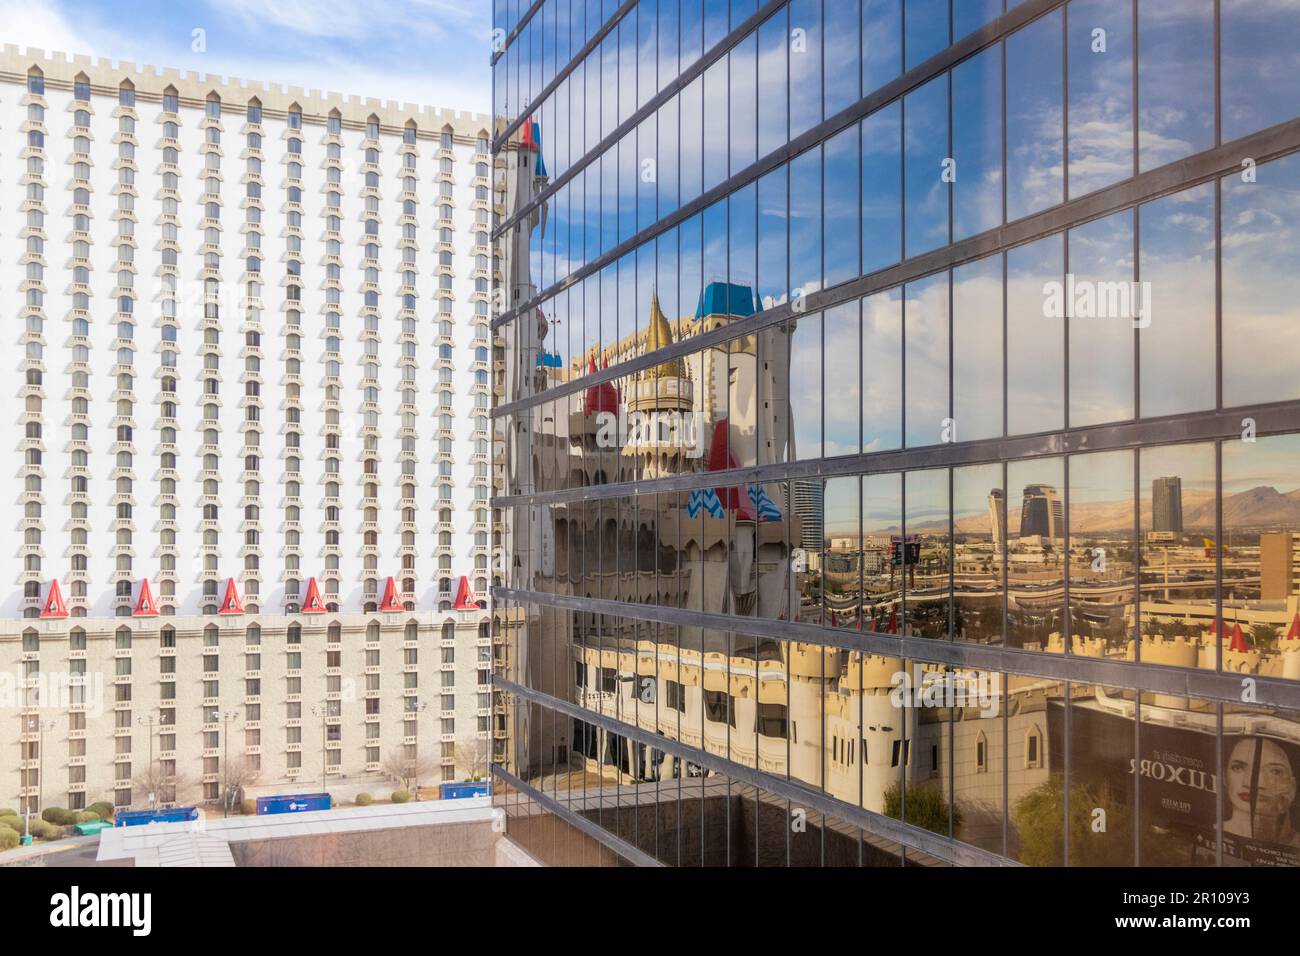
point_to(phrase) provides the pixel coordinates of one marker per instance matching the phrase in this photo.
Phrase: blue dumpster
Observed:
(137, 818)
(459, 791)
(293, 803)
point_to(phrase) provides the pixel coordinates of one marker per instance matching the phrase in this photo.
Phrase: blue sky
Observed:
(428, 52)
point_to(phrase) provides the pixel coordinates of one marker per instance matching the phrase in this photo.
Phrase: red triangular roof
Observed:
(390, 601)
(54, 603)
(600, 398)
(1294, 633)
(721, 459)
(144, 604)
(231, 603)
(465, 600)
(528, 140)
(1238, 640)
(312, 603)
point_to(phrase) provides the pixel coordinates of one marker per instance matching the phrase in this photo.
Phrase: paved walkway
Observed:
(25, 855)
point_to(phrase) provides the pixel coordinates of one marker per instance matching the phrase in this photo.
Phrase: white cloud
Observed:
(346, 20)
(42, 24)
(324, 45)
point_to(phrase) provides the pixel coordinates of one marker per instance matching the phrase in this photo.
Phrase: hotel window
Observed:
(1033, 748)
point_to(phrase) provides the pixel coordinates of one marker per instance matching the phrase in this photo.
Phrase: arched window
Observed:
(1033, 747)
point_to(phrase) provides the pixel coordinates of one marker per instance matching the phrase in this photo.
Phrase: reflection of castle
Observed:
(725, 550)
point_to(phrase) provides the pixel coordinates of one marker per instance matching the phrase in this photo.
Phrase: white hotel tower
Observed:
(247, 437)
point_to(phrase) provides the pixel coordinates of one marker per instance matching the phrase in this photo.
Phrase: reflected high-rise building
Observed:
(1167, 504)
(809, 505)
(759, 419)
(1043, 512)
(998, 517)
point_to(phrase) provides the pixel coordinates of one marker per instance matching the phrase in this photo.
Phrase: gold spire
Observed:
(660, 335)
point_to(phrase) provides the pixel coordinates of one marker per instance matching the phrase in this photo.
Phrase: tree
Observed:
(236, 774)
(406, 770)
(163, 783)
(927, 807)
(1038, 817)
(473, 757)
(1264, 636)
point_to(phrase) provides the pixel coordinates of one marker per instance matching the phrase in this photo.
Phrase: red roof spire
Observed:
(1238, 640)
(390, 601)
(144, 604)
(231, 603)
(465, 600)
(721, 459)
(600, 398)
(54, 603)
(528, 139)
(312, 604)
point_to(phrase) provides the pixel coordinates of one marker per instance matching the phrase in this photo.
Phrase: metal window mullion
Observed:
(1271, 418)
(1166, 180)
(1188, 682)
(871, 103)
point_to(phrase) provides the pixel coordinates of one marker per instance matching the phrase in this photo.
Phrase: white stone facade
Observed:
(249, 343)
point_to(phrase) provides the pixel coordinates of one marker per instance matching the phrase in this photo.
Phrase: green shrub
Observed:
(44, 830)
(11, 823)
(8, 838)
(102, 808)
(8, 812)
(248, 808)
(59, 816)
(401, 796)
(927, 806)
(85, 816)
(364, 799)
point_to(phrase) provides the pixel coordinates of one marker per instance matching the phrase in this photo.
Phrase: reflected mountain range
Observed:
(1264, 508)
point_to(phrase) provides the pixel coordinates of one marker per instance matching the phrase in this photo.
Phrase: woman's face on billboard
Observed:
(1276, 787)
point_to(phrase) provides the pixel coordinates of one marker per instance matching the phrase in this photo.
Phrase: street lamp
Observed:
(322, 711)
(226, 716)
(416, 706)
(148, 721)
(37, 726)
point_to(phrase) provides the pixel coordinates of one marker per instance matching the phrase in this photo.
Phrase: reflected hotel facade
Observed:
(933, 574)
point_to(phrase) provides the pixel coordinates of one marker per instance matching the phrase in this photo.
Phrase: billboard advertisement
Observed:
(1180, 789)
